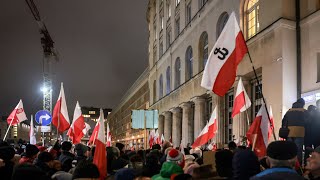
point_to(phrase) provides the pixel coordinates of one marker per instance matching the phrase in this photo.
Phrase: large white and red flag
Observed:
(32, 136)
(208, 132)
(108, 136)
(60, 117)
(94, 134)
(241, 100)
(258, 133)
(17, 115)
(100, 158)
(75, 132)
(220, 71)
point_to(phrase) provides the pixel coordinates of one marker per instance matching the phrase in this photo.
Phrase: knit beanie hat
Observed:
(31, 150)
(176, 156)
(282, 150)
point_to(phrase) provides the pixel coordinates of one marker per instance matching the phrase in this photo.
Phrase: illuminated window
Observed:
(92, 112)
(15, 131)
(252, 18)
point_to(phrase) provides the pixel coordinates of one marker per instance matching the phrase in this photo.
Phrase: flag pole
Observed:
(264, 101)
(4, 138)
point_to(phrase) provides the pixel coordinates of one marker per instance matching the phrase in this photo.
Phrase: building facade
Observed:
(181, 36)
(137, 97)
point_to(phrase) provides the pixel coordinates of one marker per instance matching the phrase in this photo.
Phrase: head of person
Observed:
(66, 146)
(282, 154)
(313, 162)
(86, 170)
(152, 160)
(6, 152)
(232, 145)
(31, 151)
(224, 163)
(245, 164)
(120, 146)
(203, 172)
(299, 104)
(176, 156)
(46, 158)
(318, 103)
(156, 147)
(136, 162)
(166, 145)
(81, 149)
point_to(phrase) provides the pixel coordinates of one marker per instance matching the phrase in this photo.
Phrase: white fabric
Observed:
(31, 133)
(101, 133)
(21, 115)
(64, 109)
(247, 101)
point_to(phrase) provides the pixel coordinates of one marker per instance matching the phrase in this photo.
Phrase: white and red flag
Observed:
(208, 132)
(258, 133)
(94, 134)
(221, 69)
(156, 138)
(100, 158)
(75, 132)
(108, 136)
(151, 137)
(241, 100)
(32, 136)
(60, 117)
(271, 126)
(17, 115)
(86, 130)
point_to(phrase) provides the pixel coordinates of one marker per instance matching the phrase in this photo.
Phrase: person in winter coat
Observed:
(28, 171)
(31, 154)
(81, 151)
(6, 155)
(66, 156)
(282, 157)
(152, 166)
(45, 163)
(295, 119)
(245, 164)
(167, 170)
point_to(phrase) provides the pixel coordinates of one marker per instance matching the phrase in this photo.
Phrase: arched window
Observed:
(160, 87)
(177, 73)
(189, 63)
(203, 50)
(154, 91)
(168, 77)
(252, 18)
(222, 21)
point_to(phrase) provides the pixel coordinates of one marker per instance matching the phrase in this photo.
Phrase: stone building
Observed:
(137, 97)
(181, 36)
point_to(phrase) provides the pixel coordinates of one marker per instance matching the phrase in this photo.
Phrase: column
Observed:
(167, 124)
(161, 124)
(199, 115)
(176, 126)
(187, 124)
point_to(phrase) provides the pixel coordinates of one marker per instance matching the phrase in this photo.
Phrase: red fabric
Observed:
(255, 137)
(228, 71)
(63, 124)
(239, 102)
(100, 159)
(94, 135)
(13, 117)
(76, 133)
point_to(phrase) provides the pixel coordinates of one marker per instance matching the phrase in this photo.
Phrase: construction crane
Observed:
(49, 59)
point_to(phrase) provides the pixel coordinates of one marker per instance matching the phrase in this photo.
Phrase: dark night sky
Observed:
(102, 46)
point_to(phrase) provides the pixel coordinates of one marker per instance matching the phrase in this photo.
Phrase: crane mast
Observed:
(49, 57)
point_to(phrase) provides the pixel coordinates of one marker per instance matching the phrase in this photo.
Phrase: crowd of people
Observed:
(295, 157)
(68, 161)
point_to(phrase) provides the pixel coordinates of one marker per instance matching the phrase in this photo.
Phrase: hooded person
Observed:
(152, 166)
(168, 170)
(6, 154)
(31, 153)
(282, 157)
(295, 120)
(245, 164)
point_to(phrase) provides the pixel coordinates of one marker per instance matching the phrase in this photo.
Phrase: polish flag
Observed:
(60, 117)
(258, 132)
(208, 132)
(33, 139)
(156, 138)
(100, 158)
(17, 115)
(75, 132)
(86, 130)
(241, 101)
(221, 69)
(94, 134)
(108, 136)
(151, 137)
